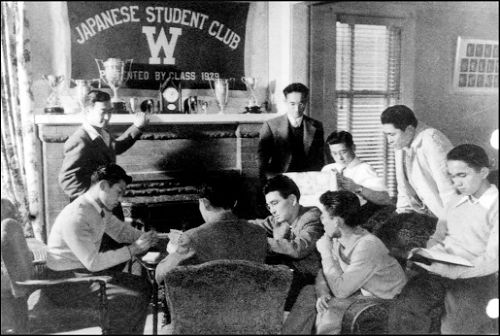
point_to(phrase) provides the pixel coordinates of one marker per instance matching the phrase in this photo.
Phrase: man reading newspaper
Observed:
(469, 230)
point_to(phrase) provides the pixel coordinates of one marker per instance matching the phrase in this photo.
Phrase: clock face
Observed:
(171, 107)
(171, 94)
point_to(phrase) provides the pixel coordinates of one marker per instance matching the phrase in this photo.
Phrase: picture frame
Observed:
(476, 66)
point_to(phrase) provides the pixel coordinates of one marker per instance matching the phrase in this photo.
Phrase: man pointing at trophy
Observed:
(92, 146)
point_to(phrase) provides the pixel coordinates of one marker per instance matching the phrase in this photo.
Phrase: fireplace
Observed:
(166, 164)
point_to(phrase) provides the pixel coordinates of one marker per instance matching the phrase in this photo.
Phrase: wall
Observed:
(462, 117)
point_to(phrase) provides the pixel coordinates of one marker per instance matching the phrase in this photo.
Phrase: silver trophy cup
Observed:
(53, 101)
(251, 84)
(220, 89)
(114, 73)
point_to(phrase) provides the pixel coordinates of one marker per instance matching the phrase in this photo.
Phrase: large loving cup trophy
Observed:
(113, 73)
(220, 88)
(53, 101)
(251, 84)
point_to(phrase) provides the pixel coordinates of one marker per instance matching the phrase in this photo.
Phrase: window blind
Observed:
(367, 81)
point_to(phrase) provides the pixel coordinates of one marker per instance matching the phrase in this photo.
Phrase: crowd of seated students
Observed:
(337, 255)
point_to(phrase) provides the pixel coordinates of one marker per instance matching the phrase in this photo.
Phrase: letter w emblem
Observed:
(162, 42)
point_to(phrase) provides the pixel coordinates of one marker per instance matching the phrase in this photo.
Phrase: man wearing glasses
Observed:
(292, 142)
(292, 232)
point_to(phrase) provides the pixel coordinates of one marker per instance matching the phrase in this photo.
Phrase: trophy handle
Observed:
(100, 66)
(129, 69)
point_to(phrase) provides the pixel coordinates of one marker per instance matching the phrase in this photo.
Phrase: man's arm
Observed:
(74, 176)
(305, 239)
(128, 138)
(120, 231)
(435, 148)
(266, 224)
(318, 146)
(78, 235)
(403, 203)
(182, 255)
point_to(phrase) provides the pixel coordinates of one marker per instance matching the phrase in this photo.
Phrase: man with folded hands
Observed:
(222, 236)
(73, 250)
(469, 230)
(292, 232)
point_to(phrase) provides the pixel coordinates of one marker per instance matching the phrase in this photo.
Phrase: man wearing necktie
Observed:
(92, 146)
(292, 142)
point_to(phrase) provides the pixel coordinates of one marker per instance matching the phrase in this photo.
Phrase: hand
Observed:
(324, 245)
(322, 303)
(281, 230)
(144, 243)
(347, 183)
(141, 120)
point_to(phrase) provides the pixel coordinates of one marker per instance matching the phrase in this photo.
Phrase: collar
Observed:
(295, 122)
(351, 241)
(89, 198)
(486, 200)
(417, 138)
(91, 130)
(353, 163)
(224, 216)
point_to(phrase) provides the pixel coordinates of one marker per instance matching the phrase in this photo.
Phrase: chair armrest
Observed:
(48, 283)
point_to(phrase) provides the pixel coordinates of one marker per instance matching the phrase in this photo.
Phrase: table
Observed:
(150, 267)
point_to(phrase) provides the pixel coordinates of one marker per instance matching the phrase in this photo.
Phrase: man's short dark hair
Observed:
(221, 191)
(297, 87)
(474, 155)
(95, 96)
(112, 173)
(338, 137)
(400, 116)
(342, 203)
(282, 184)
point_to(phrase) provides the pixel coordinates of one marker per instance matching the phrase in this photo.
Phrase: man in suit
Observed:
(92, 146)
(292, 232)
(73, 250)
(222, 236)
(292, 142)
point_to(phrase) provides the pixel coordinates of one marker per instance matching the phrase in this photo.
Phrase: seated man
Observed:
(73, 250)
(355, 264)
(469, 230)
(222, 236)
(292, 232)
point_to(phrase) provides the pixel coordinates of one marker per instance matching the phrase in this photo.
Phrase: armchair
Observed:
(227, 297)
(20, 289)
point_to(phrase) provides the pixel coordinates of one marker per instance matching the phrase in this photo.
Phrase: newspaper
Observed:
(420, 254)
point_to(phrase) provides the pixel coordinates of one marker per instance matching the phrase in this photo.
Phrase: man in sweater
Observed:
(420, 153)
(73, 250)
(469, 230)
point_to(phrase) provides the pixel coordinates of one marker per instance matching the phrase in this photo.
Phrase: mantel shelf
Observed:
(117, 119)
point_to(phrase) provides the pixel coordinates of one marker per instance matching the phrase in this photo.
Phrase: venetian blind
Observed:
(367, 82)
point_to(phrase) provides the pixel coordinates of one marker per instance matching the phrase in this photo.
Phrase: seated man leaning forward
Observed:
(292, 232)
(222, 236)
(468, 230)
(73, 250)
(355, 265)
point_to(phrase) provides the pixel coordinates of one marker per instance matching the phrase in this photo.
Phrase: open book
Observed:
(428, 256)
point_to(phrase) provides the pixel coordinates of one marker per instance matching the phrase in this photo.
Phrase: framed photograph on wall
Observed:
(476, 66)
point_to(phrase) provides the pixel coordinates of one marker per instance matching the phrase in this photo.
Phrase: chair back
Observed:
(17, 259)
(227, 297)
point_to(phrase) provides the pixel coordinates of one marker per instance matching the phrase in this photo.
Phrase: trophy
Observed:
(220, 89)
(53, 101)
(251, 84)
(113, 73)
(83, 87)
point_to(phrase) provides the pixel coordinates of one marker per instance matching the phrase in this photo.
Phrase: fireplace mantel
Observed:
(118, 119)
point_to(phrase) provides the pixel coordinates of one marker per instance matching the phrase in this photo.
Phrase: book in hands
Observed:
(427, 256)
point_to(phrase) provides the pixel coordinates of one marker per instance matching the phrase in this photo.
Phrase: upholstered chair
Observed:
(24, 309)
(227, 297)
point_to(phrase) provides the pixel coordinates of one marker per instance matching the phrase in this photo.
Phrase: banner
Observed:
(190, 41)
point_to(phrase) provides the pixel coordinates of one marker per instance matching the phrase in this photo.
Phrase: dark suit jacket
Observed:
(82, 156)
(274, 146)
(231, 238)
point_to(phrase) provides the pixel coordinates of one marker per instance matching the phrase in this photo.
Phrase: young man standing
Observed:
(469, 230)
(292, 142)
(420, 153)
